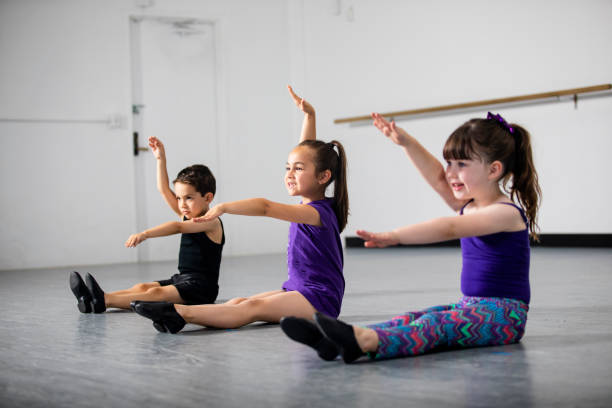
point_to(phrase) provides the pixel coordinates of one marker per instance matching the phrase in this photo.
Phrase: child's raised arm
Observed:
(298, 213)
(430, 168)
(163, 183)
(309, 131)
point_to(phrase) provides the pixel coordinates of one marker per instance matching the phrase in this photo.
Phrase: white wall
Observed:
(62, 205)
(67, 196)
(65, 199)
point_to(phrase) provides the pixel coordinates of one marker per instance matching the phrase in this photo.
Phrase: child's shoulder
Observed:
(505, 213)
(326, 208)
(504, 205)
(213, 229)
(324, 203)
(217, 232)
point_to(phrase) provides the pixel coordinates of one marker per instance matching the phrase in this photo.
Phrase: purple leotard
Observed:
(315, 260)
(497, 265)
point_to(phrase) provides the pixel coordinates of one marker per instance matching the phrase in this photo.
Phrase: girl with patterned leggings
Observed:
(492, 184)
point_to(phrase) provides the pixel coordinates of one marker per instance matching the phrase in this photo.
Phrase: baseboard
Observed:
(546, 240)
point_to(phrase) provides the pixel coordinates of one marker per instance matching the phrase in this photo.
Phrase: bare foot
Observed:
(367, 339)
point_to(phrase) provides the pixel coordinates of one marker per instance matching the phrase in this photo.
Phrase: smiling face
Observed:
(301, 178)
(190, 202)
(467, 177)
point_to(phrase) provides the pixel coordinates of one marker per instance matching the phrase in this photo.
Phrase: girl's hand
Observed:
(378, 239)
(396, 134)
(157, 147)
(301, 103)
(135, 239)
(211, 214)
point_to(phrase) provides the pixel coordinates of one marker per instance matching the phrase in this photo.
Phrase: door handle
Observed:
(136, 147)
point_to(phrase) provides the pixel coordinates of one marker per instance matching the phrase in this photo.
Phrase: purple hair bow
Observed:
(501, 120)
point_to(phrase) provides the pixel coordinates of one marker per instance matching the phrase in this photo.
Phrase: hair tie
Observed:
(501, 121)
(332, 146)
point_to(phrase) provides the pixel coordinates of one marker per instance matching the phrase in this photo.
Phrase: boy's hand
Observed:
(135, 239)
(301, 103)
(157, 147)
(211, 214)
(396, 134)
(378, 239)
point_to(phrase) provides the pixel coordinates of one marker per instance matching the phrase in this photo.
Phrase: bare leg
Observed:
(138, 288)
(367, 339)
(267, 307)
(237, 300)
(157, 293)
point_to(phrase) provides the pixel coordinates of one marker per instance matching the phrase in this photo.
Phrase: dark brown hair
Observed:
(198, 176)
(326, 158)
(489, 140)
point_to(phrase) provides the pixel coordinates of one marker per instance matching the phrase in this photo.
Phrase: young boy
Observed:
(199, 254)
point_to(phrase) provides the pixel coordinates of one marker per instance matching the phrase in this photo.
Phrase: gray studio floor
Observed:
(53, 356)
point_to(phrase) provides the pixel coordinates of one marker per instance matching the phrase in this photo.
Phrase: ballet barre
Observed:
(112, 121)
(543, 97)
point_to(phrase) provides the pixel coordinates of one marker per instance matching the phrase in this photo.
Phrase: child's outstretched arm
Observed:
(298, 213)
(163, 183)
(170, 228)
(430, 168)
(309, 130)
(489, 220)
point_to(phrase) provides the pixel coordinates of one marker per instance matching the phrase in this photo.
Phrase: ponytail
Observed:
(525, 186)
(326, 158)
(341, 199)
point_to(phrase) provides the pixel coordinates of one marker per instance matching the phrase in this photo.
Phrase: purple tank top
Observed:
(315, 260)
(497, 265)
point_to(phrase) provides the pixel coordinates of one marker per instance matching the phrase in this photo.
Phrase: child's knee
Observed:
(156, 291)
(141, 287)
(254, 307)
(253, 303)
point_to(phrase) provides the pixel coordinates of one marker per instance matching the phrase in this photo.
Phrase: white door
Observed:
(174, 99)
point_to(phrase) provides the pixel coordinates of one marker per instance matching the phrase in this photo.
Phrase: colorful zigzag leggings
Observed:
(473, 322)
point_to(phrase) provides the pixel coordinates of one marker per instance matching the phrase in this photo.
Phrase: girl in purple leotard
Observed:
(489, 171)
(314, 255)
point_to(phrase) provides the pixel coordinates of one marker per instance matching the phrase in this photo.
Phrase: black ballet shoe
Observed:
(306, 332)
(164, 315)
(80, 291)
(158, 325)
(133, 303)
(97, 294)
(341, 334)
